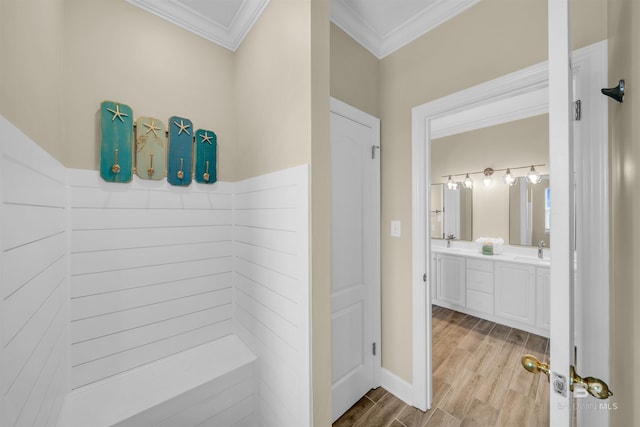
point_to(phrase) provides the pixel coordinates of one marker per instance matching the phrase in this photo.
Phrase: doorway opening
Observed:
(518, 95)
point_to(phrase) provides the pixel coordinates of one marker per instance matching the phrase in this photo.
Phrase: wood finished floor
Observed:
(477, 380)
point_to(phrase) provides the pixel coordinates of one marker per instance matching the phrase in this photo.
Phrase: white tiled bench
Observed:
(210, 385)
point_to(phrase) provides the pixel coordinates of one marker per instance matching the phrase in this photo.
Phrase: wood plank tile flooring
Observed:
(477, 380)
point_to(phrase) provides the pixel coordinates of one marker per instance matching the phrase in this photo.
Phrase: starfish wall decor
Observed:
(175, 152)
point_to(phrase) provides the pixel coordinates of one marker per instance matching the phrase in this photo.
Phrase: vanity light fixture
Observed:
(509, 179)
(488, 177)
(533, 176)
(468, 182)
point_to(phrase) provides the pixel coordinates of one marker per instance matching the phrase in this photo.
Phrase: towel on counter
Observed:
(497, 243)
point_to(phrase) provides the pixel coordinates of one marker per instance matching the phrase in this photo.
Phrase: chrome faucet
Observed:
(540, 247)
(449, 238)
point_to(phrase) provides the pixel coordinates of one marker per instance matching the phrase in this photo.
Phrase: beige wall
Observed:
(256, 100)
(116, 51)
(320, 214)
(518, 143)
(624, 134)
(354, 72)
(492, 38)
(31, 70)
(273, 91)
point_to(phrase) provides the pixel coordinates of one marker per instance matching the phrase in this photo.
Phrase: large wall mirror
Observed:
(491, 207)
(451, 212)
(530, 212)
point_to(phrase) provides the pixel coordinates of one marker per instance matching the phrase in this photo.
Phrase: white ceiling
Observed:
(384, 26)
(381, 26)
(225, 22)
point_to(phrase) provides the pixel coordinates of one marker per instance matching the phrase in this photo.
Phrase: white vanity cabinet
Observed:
(512, 293)
(515, 297)
(543, 298)
(480, 285)
(451, 279)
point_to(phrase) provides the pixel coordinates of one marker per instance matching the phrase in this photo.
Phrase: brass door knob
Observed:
(533, 365)
(596, 387)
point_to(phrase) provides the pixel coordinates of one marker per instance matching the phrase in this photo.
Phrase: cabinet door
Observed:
(543, 298)
(515, 292)
(451, 279)
(433, 282)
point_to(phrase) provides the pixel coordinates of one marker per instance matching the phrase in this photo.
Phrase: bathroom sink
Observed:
(533, 260)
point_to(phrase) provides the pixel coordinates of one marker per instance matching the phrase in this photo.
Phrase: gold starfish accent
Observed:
(205, 138)
(151, 127)
(117, 113)
(182, 126)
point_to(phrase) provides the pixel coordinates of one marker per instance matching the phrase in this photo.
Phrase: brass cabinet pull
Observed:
(595, 386)
(116, 167)
(150, 171)
(180, 173)
(205, 176)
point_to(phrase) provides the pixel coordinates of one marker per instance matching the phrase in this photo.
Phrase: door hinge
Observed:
(424, 277)
(578, 115)
(373, 349)
(373, 151)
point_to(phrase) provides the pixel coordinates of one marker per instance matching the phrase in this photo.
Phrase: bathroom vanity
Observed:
(508, 288)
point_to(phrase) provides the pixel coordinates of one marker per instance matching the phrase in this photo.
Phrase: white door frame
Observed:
(562, 168)
(373, 292)
(514, 96)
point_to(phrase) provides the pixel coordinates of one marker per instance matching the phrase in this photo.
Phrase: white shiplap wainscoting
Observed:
(33, 307)
(272, 297)
(134, 292)
(150, 272)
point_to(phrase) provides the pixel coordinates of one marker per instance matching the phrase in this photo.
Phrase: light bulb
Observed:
(509, 179)
(468, 182)
(488, 177)
(450, 184)
(533, 177)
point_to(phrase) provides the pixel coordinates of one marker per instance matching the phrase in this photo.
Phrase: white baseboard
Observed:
(397, 386)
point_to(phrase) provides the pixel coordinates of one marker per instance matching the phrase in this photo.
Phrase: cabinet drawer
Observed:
(480, 281)
(479, 264)
(480, 301)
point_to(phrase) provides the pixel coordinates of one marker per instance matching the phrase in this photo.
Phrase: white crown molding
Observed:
(228, 37)
(381, 45)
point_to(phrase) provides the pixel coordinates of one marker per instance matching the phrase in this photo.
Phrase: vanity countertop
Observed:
(505, 256)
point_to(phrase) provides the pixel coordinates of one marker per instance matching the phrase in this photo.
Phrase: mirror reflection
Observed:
(489, 160)
(529, 212)
(451, 212)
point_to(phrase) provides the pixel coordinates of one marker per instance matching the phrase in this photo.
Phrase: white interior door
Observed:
(355, 255)
(562, 215)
